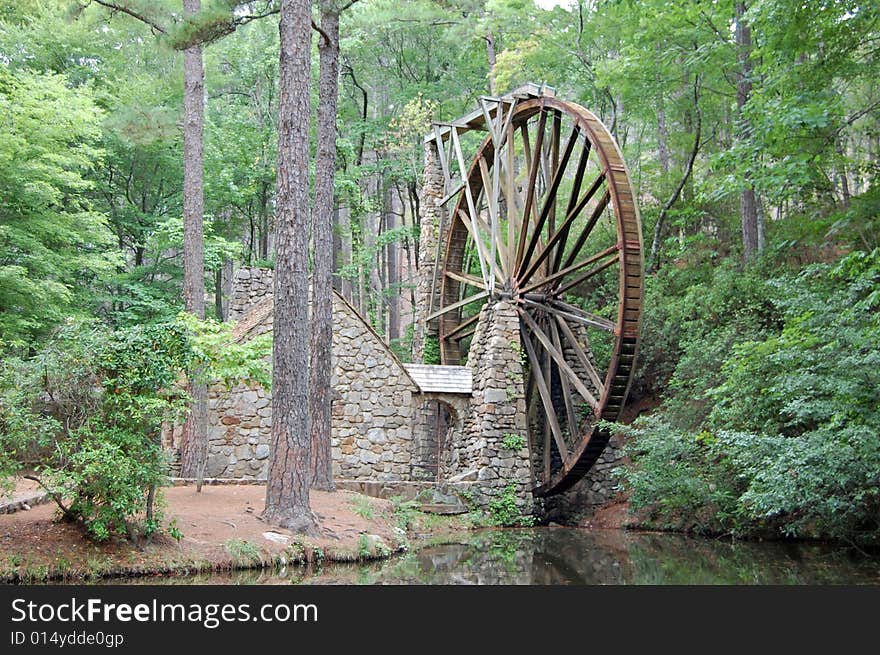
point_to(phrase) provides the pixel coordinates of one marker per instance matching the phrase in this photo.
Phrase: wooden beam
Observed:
(575, 195)
(549, 200)
(558, 275)
(546, 399)
(579, 315)
(533, 163)
(559, 358)
(591, 321)
(466, 278)
(459, 304)
(588, 228)
(461, 326)
(580, 278)
(592, 373)
(562, 234)
(472, 210)
(566, 390)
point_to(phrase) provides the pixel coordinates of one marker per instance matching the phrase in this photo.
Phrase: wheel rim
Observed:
(573, 270)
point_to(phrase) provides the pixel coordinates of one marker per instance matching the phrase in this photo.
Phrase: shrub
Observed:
(504, 510)
(789, 442)
(93, 400)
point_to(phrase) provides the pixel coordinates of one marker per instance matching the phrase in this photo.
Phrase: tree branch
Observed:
(54, 496)
(115, 6)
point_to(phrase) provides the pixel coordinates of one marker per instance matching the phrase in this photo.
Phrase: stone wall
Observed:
(432, 240)
(250, 286)
(372, 407)
(497, 413)
(372, 400)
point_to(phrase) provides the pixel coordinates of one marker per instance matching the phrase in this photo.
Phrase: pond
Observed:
(560, 556)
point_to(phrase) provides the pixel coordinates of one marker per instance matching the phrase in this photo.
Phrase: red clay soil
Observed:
(614, 515)
(221, 529)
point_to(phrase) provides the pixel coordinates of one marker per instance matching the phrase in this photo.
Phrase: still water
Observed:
(574, 556)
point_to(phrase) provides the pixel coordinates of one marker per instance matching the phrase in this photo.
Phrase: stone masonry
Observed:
(497, 416)
(372, 405)
(432, 238)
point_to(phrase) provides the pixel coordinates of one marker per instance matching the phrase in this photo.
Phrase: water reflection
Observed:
(558, 556)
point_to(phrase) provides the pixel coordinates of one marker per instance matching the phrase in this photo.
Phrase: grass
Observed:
(243, 552)
(362, 506)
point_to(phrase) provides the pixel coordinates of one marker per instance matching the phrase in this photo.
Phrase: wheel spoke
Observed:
(592, 373)
(458, 305)
(461, 326)
(549, 201)
(566, 389)
(584, 276)
(594, 218)
(472, 210)
(561, 236)
(498, 252)
(546, 398)
(559, 358)
(578, 315)
(529, 208)
(558, 275)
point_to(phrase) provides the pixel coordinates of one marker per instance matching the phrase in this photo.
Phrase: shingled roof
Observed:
(441, 379)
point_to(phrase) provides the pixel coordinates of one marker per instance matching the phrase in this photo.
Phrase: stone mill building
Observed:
(401, 428)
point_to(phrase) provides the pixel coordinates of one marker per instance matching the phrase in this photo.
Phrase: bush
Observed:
(93, 402)
(504, 510)
(678, 480)
(789, 444)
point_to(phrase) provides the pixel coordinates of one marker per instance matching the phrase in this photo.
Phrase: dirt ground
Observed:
(221, 528)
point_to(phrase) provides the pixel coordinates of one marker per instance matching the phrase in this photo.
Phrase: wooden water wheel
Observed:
(545, 217)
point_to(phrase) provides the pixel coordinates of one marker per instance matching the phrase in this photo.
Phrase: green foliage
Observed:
(89, 407)
(363, 507)
(431, 353)
(505, 511)
(693, 320)
(217, 356)
(788, 445)
(405, 512)
(513, 441)
(52, 242)
(677, 480)
(243, 551)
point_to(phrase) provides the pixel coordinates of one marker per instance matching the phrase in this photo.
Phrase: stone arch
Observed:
(437, 420)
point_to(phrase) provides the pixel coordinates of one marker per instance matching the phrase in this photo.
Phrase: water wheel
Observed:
(546, 218)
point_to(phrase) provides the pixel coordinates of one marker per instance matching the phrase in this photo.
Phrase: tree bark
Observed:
(287, 486)
(662, 140)
(490, 56)
(653, 257)
(392, 251)
(321, 343)
(194, 440)
(748, 202)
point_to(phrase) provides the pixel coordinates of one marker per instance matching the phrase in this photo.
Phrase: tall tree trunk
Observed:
(287, 487)
(346, 238)
(337, 249)
(393, 266)
(194, 440)
(490, 55)
(264, 222)
(748, 203)
(662, 140)
(321, 344)
(654, 256)
(845, 194)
